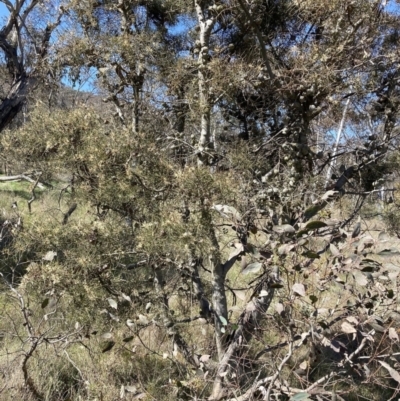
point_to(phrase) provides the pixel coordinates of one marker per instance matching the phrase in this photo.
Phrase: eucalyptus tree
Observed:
(25, 41)
(235, 275)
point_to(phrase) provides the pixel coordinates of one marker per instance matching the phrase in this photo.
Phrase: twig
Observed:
(74, 365)
(33, 193)
(278, 371)
(68, 214)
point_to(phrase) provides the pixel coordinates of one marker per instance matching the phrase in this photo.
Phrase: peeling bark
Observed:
(206, 24)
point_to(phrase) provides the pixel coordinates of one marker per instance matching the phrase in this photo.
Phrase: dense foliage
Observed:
(205, 225)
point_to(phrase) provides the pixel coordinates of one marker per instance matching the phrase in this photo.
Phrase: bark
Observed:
(206, 25)
(13, 48)
(14, 101)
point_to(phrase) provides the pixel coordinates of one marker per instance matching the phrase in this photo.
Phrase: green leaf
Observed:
(276, 285)
(300, 397)
(45, 303)
(313, 298)
(390, 294)
(388, 252)
(311, 255)
(252, 268)
(250, 248)
(313, 225)
(108, 346)
(367, 269)
(312, 211)
(128, 339)
(223, 320)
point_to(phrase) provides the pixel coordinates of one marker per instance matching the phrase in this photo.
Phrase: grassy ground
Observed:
(78, 369)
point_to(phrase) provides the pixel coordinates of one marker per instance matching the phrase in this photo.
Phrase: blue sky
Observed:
(3, 11)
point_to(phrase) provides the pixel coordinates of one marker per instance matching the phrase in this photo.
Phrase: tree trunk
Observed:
(14, 101)
(205, 143)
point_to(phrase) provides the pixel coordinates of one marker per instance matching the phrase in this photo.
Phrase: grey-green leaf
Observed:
(313, 225)
(252, 268)
(108, 346)
(300, 397)
(112, 303)
(284, 228)
(394, 373)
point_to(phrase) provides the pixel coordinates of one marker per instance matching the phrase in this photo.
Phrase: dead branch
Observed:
(22, 177)
(33, 194)
(68, 214)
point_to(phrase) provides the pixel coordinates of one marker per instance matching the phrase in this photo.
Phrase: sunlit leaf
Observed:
(49, 257)
(360, 278)
(143, 319)
(328, 194)
(334, 251)
(300, 397)
(279, 308)
(299, 289)
(284, 228)
(393, 334)
(383, 236)
(112, 303)
(223, 320)
(395, 375)
(126, 297)
(285, 249)
(252, 268)
(227, 211)
(205, 358)
(238, 249)
(348, 328)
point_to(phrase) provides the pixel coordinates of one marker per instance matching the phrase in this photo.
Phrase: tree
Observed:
(24, 43)
(224, 249)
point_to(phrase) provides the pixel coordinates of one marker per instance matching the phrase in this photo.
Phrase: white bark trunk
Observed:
(206, 25)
